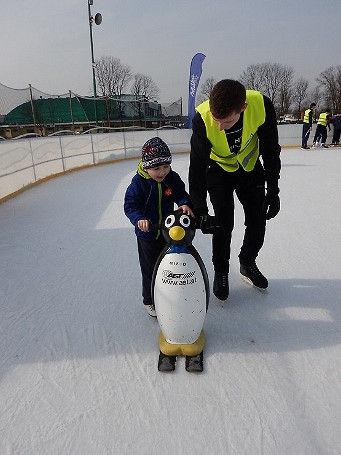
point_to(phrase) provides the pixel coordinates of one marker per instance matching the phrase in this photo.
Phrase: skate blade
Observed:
(221, 302)
(248, 281)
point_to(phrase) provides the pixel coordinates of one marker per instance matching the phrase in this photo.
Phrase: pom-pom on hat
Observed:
(155, 153)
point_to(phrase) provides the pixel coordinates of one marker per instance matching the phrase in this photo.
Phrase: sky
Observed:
(78, 357)
(47, 44)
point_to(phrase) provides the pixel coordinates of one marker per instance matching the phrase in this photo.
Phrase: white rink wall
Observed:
(24, 162)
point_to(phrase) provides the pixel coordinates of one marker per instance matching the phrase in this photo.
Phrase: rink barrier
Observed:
(25, 163)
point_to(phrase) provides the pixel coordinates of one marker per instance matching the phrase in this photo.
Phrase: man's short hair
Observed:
(227, 97)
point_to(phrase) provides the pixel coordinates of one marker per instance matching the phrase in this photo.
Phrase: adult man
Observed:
(321, 129)
(307, 125)
(231, 131)
(336, 121)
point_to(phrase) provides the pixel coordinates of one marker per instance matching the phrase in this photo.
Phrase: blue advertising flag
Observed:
(194, 78)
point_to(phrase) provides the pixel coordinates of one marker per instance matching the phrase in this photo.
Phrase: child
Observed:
(150, 196)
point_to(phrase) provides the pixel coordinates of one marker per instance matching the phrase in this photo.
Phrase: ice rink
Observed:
(78, 359)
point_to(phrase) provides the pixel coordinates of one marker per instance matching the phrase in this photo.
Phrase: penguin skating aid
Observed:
(180, 292)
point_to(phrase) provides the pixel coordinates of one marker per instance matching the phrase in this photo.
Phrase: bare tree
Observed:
(112, 77)
(285, 89)
(300, 90)
(144, 86)
(330, 81)
(206, 89)
(273, 80)
(144, 89)
(253, 77)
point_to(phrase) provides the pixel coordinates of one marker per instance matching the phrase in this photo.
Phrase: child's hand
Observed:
(143, 225)
(187, 210)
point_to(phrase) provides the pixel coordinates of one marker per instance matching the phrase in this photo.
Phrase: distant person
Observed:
(150, 196)
(336, 121)
(321, 129)
(307, 125)
(234, 148)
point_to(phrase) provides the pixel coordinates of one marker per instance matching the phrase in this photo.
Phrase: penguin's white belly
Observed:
(180, 298)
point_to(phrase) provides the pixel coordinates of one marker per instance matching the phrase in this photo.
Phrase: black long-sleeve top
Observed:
(269, 151)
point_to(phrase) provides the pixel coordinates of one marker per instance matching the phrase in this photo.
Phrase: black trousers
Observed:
(336, 136)
(250, 190)
(148, 255)
(305, 134)
(321, 133)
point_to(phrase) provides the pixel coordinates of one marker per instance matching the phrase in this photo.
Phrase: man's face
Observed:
(227, 122)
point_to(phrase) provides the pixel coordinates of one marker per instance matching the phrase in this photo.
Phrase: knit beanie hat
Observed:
(155, 153)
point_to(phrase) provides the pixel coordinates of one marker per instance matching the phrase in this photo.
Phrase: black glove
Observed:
(208, 224)
(271, 204)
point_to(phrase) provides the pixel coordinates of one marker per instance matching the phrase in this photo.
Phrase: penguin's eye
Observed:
(185, 221)
(169, 221)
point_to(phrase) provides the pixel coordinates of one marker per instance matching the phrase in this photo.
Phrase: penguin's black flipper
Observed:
(166, 362)
(195, 363)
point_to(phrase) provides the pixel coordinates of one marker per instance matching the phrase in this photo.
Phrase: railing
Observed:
(26, 161)
(23, 162)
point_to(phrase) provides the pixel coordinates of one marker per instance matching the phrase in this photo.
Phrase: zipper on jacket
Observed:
(159, 186)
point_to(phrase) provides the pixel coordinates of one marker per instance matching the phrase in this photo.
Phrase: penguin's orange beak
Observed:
(177, 233)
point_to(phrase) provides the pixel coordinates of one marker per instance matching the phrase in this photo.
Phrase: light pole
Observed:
(98, 20)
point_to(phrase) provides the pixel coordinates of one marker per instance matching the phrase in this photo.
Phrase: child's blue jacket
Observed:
(147, 199)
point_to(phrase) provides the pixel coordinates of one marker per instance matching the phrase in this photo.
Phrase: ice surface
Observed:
(78, 359)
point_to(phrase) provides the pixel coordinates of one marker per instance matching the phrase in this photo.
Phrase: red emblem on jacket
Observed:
(168, 192)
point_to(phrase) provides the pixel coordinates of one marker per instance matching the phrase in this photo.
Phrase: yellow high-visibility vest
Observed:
(306, 116)
(323, 119)
(254, 116)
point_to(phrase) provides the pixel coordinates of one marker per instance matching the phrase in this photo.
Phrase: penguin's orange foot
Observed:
(192, 349)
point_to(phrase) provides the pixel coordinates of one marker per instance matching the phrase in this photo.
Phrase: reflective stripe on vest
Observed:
(306, 116)
(254, 116)
(323, 119)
